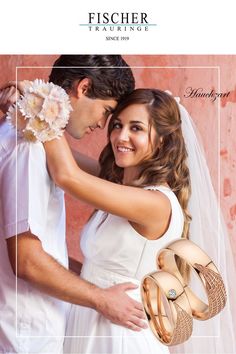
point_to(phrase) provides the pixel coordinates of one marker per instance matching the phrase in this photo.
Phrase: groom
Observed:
(32, 218)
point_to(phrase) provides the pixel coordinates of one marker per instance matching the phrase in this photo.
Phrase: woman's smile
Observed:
(124, 149)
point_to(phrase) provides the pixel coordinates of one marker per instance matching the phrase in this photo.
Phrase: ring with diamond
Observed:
(205, 270)
(172, 293)
(166, 307)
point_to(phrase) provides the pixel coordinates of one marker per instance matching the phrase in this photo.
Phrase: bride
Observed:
(141, 204)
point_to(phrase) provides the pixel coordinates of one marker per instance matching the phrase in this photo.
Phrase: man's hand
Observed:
(120, 308)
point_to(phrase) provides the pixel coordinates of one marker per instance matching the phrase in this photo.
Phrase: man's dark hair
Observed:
(110, 76)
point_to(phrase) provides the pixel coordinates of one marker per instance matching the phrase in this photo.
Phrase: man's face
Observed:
(88, 114)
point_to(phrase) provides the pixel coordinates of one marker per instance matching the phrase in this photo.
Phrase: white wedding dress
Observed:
(115, 253)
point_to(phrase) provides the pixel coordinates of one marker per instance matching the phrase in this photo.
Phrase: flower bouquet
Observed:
(42, 111)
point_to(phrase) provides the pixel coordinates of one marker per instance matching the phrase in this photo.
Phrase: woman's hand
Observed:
(10, 92)
(19, 85)
(8, 96)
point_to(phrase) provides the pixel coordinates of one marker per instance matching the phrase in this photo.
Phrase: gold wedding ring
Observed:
(206, 271)
(167, 307)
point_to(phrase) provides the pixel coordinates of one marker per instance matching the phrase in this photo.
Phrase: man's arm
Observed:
(30, 262)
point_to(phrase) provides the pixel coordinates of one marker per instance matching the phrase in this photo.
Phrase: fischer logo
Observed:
(115, 23)
(118, 18)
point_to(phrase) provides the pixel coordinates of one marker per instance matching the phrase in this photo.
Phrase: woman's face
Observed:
(131, 138)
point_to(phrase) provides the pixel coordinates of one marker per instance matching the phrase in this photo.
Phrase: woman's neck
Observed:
(130, 174)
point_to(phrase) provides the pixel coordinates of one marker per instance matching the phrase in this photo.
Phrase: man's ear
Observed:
(82, 87)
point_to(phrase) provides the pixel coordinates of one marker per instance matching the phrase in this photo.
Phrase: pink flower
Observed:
(30, 104)
(50, 110)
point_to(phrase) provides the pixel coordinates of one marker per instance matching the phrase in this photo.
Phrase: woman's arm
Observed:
(86, 163)
(142, 207)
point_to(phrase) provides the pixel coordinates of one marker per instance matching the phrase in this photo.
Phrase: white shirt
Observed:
(30, 321)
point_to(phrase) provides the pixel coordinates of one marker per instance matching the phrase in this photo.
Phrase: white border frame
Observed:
(218, 171)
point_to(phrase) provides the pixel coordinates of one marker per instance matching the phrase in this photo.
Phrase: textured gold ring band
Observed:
(167, 307)
(206, 271)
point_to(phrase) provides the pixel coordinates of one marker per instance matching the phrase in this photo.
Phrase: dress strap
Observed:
(156, 188)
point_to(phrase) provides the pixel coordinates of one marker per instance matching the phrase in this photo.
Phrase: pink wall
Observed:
(215, 120)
